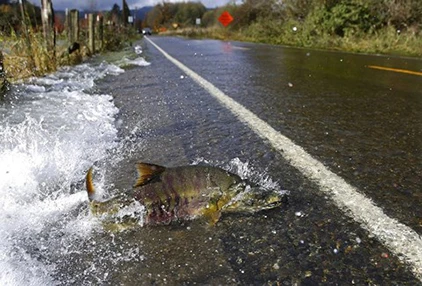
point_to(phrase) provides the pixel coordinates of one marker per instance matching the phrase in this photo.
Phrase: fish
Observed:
(163, 195)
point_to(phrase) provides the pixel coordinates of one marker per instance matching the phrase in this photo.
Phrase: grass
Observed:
(25, 57)
(385, 41)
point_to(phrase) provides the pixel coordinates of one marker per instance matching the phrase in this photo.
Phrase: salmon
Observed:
(163, 195)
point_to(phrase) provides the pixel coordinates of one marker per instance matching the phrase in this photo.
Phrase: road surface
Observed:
(342, 136)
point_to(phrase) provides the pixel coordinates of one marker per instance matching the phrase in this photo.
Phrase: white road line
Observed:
(403, 241)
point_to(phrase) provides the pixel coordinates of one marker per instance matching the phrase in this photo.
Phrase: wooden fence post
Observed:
(47, 17)
(73, 26)
(67, 25)
(91, 32)
(100, 31)
(4, 84)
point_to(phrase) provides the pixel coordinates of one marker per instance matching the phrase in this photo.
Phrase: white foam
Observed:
(138, 49)
(139, 61)
(51, 133)
(134, 210)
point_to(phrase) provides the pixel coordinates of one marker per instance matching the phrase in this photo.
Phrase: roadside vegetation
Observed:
(23, 45)
(369, 26)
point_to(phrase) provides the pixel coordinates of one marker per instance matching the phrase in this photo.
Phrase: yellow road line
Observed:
(396, 70)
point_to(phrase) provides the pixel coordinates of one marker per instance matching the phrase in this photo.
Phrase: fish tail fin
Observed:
(90, 185)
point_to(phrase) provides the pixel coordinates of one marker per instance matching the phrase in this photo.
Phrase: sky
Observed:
(108, 4)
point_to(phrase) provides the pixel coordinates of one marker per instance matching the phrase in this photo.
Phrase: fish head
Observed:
(108, 207)
(254, 199)
(236, 187)
(119, 213)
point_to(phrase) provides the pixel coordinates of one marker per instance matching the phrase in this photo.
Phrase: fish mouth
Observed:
(274, 204)
(256, 200)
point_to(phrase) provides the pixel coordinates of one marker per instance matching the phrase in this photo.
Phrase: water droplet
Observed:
(384, 255)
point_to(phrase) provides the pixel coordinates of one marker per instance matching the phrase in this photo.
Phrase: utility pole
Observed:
(124, 16)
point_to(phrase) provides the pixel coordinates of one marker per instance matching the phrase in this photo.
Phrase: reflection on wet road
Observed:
(362, 125)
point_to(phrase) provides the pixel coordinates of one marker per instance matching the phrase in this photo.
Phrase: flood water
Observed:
(52, 129)
(364, 124)
(127, 107)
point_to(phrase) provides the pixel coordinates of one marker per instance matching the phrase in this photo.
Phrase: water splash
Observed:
(246, 171)
(52, 130)
(139, 61)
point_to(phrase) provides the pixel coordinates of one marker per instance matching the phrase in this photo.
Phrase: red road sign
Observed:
(225, 18)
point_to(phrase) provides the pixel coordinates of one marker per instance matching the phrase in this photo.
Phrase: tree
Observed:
(165, 14)
(299, 9)
(125, 13)
(114, 14)
(398, 13)
(186, 13)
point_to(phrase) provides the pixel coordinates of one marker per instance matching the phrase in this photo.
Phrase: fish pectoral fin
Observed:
(146, 172)
(212, 215)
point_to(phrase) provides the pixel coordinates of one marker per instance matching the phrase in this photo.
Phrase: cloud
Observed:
(108, 4)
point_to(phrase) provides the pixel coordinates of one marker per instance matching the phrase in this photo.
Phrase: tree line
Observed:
(356, 25)
(339, 17)
(173, 15)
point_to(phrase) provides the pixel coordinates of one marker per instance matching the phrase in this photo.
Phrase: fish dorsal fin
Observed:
(146, 172)
(90, 185)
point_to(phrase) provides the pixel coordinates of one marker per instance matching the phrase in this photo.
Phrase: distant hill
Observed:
(139, 13)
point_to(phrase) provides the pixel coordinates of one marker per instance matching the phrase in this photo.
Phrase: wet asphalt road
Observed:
(363, 124)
